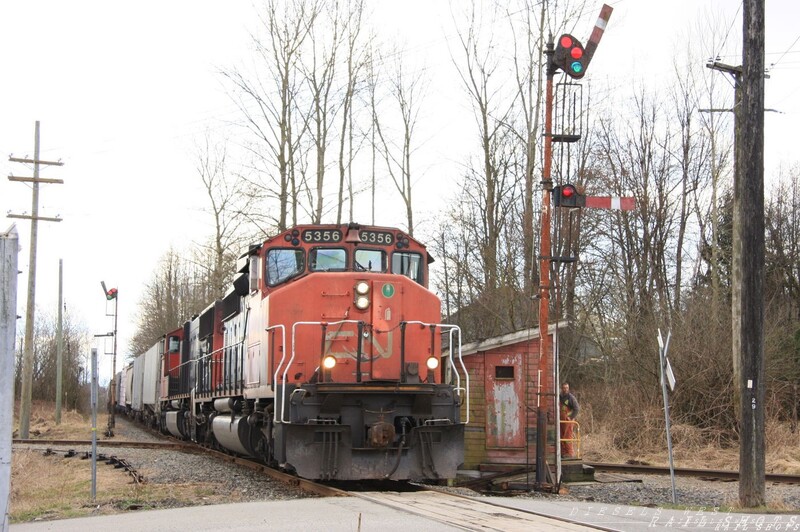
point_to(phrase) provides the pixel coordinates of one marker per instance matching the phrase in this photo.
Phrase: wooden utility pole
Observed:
(60, 341)
(27, 360)
(736, 251)
(748, 308)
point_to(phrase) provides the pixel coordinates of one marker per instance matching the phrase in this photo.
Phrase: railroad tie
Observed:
(118, 463)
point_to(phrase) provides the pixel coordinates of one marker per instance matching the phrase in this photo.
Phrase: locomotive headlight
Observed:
(362, 288)
(328, 362)
(362, 302)
(432, 362)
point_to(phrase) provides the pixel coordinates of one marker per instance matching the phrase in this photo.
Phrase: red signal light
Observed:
(568, 196)
(570, 56)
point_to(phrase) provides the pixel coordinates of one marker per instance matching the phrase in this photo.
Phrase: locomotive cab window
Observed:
(370, 260)
(174, 344)
(328, 260)
(408, 264)
(283, 264)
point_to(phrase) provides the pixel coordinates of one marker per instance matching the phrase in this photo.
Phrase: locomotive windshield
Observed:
(370, 260)
(313, 250)
(328, 260)
(283, 264)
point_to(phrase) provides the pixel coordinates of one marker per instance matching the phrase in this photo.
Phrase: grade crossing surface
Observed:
(469, 513)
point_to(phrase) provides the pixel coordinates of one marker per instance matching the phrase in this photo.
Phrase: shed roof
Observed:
(508, 339)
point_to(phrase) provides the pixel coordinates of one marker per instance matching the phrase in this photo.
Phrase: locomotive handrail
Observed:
(453, 328)
(283, 357)
(288, 364)
(195, 361)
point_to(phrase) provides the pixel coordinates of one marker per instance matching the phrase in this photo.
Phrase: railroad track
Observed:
(715, 474)
(453, 510)
(109, 443)
(305, 485)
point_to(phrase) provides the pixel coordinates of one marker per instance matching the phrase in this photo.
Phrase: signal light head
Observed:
(111, 294)
(329, 362)
(570, 56)
(568, 196)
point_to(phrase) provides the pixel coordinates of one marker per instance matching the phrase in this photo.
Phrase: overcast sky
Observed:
(124, 91)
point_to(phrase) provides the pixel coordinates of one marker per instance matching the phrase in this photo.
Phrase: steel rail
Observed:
(292, 480)
(106, 443)
(688, 472)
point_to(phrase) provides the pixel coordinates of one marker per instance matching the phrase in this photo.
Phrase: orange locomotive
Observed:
(323, 358)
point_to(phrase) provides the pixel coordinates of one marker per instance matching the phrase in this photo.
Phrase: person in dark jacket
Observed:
(568, 407)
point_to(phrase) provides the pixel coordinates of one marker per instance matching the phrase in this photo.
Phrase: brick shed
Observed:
(504, 381)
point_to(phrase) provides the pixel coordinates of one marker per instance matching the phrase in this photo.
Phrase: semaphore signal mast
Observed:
(570, 56)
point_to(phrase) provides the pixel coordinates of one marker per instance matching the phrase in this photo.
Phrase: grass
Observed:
(56, 487)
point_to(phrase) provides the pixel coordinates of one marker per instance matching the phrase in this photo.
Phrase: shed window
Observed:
(504, 372)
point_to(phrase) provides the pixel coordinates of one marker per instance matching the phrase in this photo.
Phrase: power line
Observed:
(772, 65)
(733, 21)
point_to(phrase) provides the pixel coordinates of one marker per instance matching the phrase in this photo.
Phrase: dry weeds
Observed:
(692, 448)
(56, 487)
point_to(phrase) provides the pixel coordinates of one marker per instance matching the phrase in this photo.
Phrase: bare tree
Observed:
(319, 72)
(269, 104)
(357, 55)
(176, 292)
(229, 209)
(74, 365)
(483, 81)
(396, 133)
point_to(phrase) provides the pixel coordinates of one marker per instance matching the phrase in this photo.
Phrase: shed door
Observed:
(504, 401)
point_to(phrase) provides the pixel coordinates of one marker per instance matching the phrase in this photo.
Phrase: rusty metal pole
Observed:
(544, 272)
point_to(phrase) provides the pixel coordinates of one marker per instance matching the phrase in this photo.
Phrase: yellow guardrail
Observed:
(570, 447)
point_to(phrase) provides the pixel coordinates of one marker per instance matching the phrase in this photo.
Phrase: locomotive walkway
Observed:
(348, 514)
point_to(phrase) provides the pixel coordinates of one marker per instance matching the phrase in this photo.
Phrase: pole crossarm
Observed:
(35, 161)
(28, 217)
(36, 180)
(722, 67)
